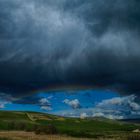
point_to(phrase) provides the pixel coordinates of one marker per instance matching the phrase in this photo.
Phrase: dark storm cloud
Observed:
(46, 43)
(27, 100)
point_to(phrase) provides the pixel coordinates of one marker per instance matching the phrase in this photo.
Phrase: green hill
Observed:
(95, 127)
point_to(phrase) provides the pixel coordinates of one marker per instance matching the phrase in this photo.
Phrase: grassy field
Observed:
(21, 135)
(80, 128)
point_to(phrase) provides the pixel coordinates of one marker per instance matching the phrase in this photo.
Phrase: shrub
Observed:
(49, 129)
(4, 138)
(134, 137)
(16, 125)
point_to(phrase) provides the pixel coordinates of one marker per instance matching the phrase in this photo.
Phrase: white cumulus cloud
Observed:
(72, 103)
(83, 115)
(47, 108)
(116, 108)
(44, 101)
(3, 104)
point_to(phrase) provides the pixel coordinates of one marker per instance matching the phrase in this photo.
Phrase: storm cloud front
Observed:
(49, 43)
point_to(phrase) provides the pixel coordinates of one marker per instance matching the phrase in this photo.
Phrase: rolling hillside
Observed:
(95, 127)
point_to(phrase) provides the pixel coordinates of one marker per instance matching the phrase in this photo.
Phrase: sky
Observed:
(63, 46)
(81, 103)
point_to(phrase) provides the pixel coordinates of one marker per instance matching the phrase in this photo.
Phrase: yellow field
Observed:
(21, 135)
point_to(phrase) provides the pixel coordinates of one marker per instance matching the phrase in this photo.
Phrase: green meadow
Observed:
(40, 123)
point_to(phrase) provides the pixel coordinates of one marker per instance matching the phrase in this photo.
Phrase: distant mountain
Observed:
(136, 121)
